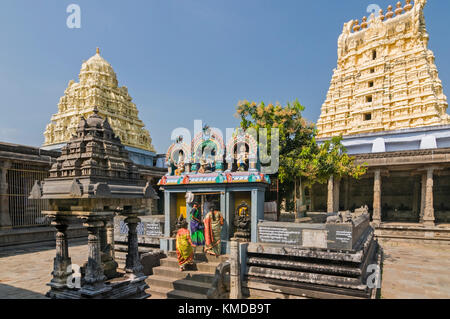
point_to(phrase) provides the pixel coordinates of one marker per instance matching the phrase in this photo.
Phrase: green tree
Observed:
(303, 162)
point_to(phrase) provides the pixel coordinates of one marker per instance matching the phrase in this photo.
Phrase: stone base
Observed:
(311, 272)
(120, 288)
(404, 232)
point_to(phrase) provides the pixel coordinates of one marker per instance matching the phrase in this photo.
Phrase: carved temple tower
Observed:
(386, 78)
(98, 89)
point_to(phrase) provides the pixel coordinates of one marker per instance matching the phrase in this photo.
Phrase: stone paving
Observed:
(25, 270)
(412, 271)
(416, 271)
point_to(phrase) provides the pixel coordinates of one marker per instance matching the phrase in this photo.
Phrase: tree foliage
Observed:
(301, 157)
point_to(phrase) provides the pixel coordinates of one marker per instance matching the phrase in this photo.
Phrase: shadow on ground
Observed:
(10, 292)
(37, 247)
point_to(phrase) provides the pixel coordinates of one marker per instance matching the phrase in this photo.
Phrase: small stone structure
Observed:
(93, 180)
(333, 259)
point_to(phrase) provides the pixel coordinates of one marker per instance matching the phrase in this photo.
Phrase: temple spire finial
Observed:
(98, 50)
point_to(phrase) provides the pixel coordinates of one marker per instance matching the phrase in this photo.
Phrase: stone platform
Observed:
(311, 273)
(24, 271)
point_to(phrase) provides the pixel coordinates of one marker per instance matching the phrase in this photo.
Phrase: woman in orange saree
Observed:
(185, 252)
(213, 229)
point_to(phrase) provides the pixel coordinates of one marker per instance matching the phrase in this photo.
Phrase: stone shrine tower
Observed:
(98, 88)
(386, 78)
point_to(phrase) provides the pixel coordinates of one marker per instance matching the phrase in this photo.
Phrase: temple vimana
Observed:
(386, 78)
(99, 87)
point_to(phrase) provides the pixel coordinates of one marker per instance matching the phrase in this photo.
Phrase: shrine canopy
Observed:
(207, 160)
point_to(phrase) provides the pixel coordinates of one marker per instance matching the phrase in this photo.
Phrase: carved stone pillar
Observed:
(377, 198)
(110, 236)
(423, 197)
(331, 193)
(428, 218)
(61, 270)
(94, 275)
(102, 237)
(106, 234)
(5, 219)
(416, 197)
(133, 264)
(347, 193)
(235, 277)
(336, 190)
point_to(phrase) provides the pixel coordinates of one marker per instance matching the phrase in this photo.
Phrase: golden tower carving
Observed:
(98, 88)
(386, 77)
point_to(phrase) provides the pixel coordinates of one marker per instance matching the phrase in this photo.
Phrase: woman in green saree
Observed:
(198, 239)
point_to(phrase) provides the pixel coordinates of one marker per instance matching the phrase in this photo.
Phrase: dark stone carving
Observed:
(242, 222)
(93, 180)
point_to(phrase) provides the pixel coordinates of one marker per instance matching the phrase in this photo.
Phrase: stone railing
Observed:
(221, 283)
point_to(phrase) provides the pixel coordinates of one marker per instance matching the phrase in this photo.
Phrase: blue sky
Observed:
(180, 59)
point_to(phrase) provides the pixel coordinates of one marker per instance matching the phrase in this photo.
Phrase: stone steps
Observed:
(168, 282)
(200, 266)
(202, 257)
(168, 293)
(200, 287)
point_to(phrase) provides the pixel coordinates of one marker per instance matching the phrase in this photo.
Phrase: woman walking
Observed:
(185, 252)
(198, 239)
(213, 229)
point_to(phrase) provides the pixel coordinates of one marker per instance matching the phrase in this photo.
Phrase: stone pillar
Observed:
(312, 199)
(347, 193)
(225, 235)
(336, 189)
(330, 197)
(133, 265)
(416, 196)
(62, 262)
(428, 218)
(423, 197)
(110, 236)
(102, 233)
(107, 249)
(94, 277)
(377, 198)
(235, 277)
(257, 213)
(5, 219)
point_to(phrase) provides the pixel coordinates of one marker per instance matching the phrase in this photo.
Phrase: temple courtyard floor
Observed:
(411, 271)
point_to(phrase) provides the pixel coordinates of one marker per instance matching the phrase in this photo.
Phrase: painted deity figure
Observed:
(203, 164)
(180, 164)
(213, 229)
(197, 227)
(242, 222)
(184, 246)
(210, 164)
(242, 158)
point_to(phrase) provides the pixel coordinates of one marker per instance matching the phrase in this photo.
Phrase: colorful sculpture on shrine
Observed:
(203, 161)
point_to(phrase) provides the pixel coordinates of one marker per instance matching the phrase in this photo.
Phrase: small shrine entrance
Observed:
(212, 172)
(231, 200)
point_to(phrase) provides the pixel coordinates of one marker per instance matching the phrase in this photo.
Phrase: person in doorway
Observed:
(197, 236)
(213, 229)
(184, 246)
